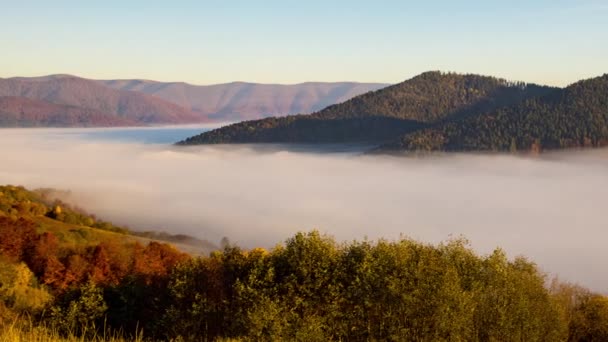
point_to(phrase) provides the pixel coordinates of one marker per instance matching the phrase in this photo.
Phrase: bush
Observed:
(19, 290)
(81, 310)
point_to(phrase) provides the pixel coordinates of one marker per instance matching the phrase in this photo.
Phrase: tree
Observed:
(590, 320)
(100, 263)
(16, 237)
(513, 146)
(19, 290)
(79, 310)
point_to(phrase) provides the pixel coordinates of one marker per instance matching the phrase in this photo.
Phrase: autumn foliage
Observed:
(311, 288)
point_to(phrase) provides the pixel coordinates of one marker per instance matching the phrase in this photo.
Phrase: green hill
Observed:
(75, 227)
(576, 116)
(385, 114)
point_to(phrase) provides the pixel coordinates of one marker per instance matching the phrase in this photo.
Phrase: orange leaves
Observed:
(15, 237)
(155, 260)
(100, 263)
(77, 268)
(107, 263)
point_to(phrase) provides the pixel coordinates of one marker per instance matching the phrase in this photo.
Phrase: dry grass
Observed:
(27, 332)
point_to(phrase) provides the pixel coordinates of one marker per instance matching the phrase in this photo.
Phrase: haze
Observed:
(550, 209)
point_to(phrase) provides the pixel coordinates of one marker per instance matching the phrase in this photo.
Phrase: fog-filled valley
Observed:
(548, 208)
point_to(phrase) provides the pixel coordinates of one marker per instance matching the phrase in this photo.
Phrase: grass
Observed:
(78, 237)
(69, 234)
(27, 332)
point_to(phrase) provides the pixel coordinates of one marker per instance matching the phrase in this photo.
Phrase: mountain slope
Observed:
(576, 116)
(384, 114)
(24, 112)
(73, 225)
(241, 101)
(93, 97)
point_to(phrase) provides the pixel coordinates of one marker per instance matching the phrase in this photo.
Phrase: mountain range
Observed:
(438, 111)
(70, 101)
(241, 101)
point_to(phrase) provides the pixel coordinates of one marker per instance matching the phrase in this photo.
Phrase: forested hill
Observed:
(383, 115)
(576, 116)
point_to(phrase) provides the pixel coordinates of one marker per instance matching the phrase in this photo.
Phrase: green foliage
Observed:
(312, 289)
(75, 216)
(19, 289)
(16, 200)
(20, 202)
(78, 310)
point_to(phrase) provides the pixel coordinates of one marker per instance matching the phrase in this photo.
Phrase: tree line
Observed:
(310, 288)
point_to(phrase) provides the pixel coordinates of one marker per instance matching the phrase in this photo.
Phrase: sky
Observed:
(553, 42)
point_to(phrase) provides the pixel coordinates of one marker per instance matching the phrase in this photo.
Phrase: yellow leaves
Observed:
(18, 288)
(23, 275)
(256, 252)
(89, 222)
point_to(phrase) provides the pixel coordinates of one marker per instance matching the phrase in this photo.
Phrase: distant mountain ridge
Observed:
(92, 100)
(382, 115)
(241, 100)
(66, 101)
(25, 112)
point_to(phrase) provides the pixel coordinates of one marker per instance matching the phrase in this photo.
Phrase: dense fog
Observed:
(551, 209)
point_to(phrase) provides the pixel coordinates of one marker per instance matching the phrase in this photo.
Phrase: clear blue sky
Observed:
(548, 41)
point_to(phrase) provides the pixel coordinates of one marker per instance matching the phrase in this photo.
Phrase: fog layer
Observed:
(550, 209)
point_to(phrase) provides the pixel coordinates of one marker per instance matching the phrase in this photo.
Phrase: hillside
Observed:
(576, 116)
(245, 101)
(73, 226)
(87, 102)
(385, 114)
(24, 112)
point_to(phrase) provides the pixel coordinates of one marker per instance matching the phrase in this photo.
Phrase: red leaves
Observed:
(101, 269)
(77, 269)
(107, 263)
(155, 260)
(43, 260)
(16, 236)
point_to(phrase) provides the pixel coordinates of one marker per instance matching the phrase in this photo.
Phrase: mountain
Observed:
(576, 116)
(86, 103)
(24, 112)
(65, 100)
(385, 114)
(241, 101)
